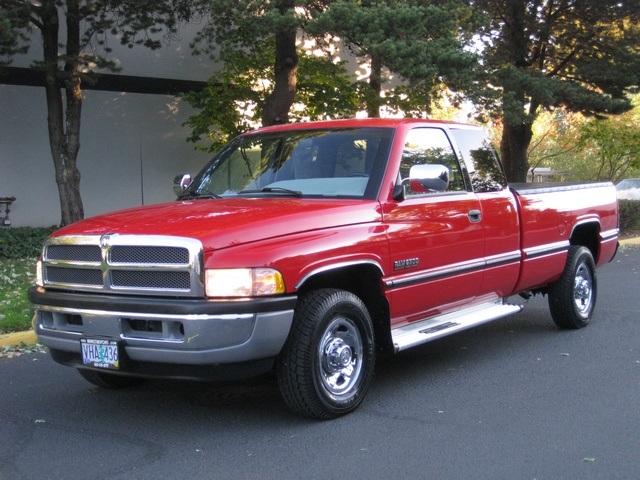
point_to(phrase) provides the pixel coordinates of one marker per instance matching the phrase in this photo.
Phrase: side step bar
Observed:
(424, 331)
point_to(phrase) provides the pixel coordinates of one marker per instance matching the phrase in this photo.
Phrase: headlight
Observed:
(243, 282)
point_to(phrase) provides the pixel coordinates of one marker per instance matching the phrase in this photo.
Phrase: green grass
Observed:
(16, 276)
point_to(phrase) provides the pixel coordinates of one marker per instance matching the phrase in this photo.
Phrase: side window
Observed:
(481, 160)
(430, 146)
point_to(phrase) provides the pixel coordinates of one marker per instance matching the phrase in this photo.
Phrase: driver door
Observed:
(436, 238)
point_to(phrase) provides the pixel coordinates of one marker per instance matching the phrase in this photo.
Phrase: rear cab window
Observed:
(481, 160)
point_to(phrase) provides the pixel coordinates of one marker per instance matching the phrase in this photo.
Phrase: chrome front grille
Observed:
(76, 253)
(73, 276)
(145, 254)
(150, 279)
(125, 264)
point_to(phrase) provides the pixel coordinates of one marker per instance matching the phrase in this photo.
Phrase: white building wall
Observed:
(132, 145)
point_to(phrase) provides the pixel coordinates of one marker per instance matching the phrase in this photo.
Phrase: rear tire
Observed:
(572, 298)
(108, 380)
(326, 366)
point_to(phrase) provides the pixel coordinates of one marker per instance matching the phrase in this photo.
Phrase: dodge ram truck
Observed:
(312, 249)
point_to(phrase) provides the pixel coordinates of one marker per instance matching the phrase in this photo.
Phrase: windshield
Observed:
(324, 163)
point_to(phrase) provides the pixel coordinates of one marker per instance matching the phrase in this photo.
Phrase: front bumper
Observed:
(163, 331)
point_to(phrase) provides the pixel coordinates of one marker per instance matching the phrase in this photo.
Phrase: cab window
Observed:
(481, 160)
(430, 146)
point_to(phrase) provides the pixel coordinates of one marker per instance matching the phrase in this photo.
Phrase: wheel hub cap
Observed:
(339, 355)
(583, 290)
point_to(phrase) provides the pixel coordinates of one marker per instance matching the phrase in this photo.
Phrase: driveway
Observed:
(514, 399)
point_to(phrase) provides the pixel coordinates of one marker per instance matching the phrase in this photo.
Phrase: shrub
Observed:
(22, 242)
(629, 214)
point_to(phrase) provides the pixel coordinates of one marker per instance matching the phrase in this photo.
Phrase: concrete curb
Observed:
(18, 338)
(29, 337)
(630, 241)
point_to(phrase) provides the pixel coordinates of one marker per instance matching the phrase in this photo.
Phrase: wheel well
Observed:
(364, 281)
(586, 235)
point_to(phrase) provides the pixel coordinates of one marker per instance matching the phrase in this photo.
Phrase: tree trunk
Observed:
(64, 142)
(278, 103)
(517, 128)
(375, 84)
(513, 149)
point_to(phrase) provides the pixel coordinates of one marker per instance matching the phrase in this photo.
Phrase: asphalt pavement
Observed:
(513, 399)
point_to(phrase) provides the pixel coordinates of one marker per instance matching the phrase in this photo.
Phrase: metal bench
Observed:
(6, 201)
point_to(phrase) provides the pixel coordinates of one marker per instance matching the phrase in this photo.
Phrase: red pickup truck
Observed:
(312, 248)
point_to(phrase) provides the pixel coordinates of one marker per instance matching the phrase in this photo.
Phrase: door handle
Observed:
(475, 216)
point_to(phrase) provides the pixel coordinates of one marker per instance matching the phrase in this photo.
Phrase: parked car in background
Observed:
(628, 189)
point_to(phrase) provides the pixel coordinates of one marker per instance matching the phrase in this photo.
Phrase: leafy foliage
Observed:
(247, 27)
(93, 25)
(613, 145)
(239, 24)
(422, 42)
(556, 140)
(587, 149)
(12, 39)
(578, 54)
(232, 101)
(629, 214)
(326, 90)
(22, 242)
(236, 96)
(418, 41)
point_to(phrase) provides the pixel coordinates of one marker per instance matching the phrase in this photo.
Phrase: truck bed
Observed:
(546, 187)
(552, 215)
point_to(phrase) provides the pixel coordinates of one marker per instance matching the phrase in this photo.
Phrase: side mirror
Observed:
(429, 178)
(181, 183)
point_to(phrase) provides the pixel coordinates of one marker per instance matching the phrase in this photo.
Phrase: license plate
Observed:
(100, 353)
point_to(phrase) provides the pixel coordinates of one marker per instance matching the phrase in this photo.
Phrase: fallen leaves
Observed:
(13, 351)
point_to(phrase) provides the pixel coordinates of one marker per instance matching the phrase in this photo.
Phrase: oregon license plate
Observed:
(100, 353)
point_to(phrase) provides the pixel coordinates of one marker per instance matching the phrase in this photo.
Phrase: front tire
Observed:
(572, 298)
(326, 365)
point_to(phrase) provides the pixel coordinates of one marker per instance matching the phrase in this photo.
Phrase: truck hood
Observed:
(221, 223)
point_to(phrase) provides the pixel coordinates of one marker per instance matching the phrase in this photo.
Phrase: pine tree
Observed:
(421, 42)
(579, 54)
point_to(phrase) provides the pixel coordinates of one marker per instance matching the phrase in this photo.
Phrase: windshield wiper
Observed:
(280, 190)
(295, 193)
(205, 194)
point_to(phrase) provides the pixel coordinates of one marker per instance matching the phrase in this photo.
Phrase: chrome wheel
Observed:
(340, 357)
(583, 291)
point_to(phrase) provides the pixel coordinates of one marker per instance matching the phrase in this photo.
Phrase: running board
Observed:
(424, 331)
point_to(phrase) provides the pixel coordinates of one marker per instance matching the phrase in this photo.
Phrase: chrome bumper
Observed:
(163, 331)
